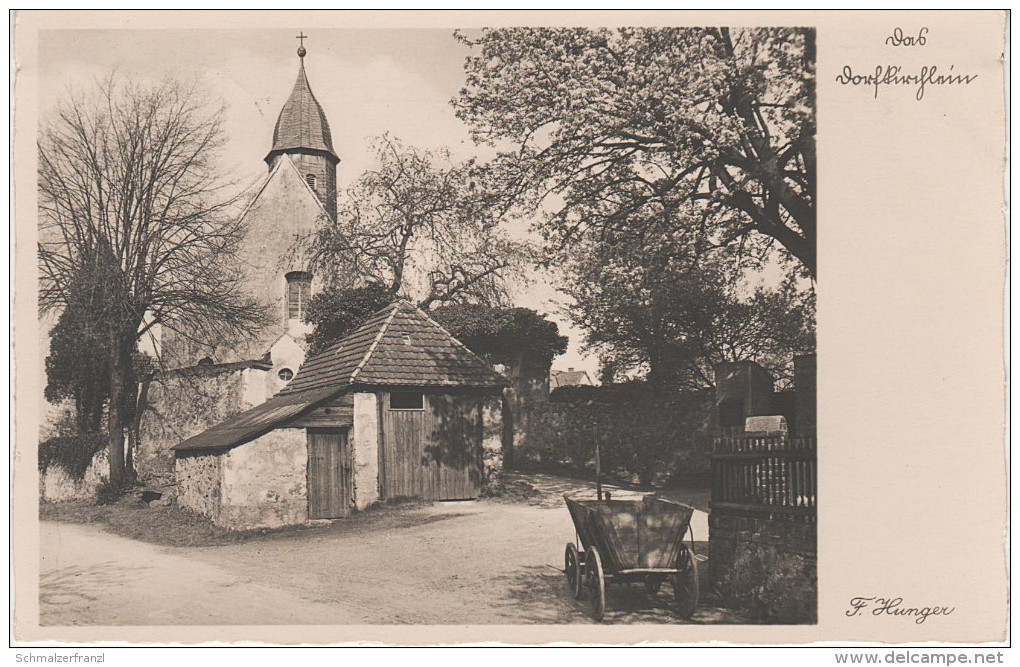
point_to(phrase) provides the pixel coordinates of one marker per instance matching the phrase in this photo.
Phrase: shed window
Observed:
(299, 290)
(407, 400)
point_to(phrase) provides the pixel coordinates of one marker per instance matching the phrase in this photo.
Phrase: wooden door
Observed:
(433, 453)
(459, 464)
(329, 474)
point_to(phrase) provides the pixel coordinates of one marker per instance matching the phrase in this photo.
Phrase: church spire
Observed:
(302, 133)
(302, 124)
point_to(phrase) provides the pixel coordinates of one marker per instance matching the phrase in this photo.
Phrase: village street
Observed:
(477, 562)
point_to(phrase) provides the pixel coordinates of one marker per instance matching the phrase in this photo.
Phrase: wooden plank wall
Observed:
(435, 453)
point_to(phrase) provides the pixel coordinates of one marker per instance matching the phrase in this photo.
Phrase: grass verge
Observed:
(175, 527)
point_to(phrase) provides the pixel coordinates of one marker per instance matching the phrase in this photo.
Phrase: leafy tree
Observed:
(423, 227)
(131, 206)
(619, 129)
(503, 334)
(680, 314)
(78, 364)
(336, 312)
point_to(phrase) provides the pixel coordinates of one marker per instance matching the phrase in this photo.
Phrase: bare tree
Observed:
(423, 227)
(129, 192)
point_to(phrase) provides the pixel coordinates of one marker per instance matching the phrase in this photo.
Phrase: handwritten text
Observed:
(893, 75)
(893, 607)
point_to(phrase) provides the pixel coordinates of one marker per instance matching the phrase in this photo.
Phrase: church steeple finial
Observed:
(301, 49)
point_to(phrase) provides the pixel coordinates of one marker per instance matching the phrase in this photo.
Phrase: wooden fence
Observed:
(774, 476)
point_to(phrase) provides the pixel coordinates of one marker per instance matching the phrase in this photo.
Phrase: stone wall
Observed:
(184, 403)
(56, 485)
(768, 567)
(265, 482)
(200, 484)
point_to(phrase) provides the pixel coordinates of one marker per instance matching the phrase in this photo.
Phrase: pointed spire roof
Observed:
(302, 123)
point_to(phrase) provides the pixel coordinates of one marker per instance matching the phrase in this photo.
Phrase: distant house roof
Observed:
(569, 378)
(397, 346)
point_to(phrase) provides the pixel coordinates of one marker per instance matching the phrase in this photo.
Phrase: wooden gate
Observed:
(434, 453)
(329, 474)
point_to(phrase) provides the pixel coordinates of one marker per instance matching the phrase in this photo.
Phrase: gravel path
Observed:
(476, 562)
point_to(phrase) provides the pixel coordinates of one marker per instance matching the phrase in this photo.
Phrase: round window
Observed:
(286, 374)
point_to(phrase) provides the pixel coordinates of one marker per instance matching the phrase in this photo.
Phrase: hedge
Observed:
(642, 431)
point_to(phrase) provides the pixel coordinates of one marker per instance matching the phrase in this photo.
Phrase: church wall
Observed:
(286, 353)
(325, 177)
(186, 402)
(278, 229)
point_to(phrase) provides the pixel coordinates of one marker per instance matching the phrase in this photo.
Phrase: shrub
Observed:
(642, 431)
(108, 493)
(72, 453)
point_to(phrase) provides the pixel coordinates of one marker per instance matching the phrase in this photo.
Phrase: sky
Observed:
(368, 82)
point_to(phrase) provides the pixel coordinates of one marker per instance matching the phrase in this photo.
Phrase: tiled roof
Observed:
(302, 122)
(399, 345)
(256, 422)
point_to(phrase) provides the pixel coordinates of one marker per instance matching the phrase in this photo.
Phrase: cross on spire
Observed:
(301, 49)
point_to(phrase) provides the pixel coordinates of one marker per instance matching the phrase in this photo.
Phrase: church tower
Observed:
(302, 133)
(280, 223)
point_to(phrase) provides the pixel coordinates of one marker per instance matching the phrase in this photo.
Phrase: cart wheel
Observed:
(652, 585)
(685, 584)
(596, 583)
(572, 566)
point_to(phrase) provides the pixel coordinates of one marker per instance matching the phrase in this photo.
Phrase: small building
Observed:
(569, 378)
(396, 409)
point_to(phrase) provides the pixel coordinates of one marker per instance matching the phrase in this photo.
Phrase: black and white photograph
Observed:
(490, 324)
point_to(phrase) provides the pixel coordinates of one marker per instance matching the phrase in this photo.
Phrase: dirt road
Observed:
(475, 562)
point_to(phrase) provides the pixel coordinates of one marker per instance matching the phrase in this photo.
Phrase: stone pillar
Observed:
(805, 383)
(492, 437)
(743, 389)
(365, 441)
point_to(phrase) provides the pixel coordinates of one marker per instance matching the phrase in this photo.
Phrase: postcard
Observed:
(532, 327)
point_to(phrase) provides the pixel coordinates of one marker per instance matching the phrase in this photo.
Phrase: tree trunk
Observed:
(120, 381)
(665, 365)
(134, 437)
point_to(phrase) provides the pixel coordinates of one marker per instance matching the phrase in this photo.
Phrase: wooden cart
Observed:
(631, 541)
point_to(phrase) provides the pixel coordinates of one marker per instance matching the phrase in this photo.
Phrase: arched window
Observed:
(299, 290)
(310, 179)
